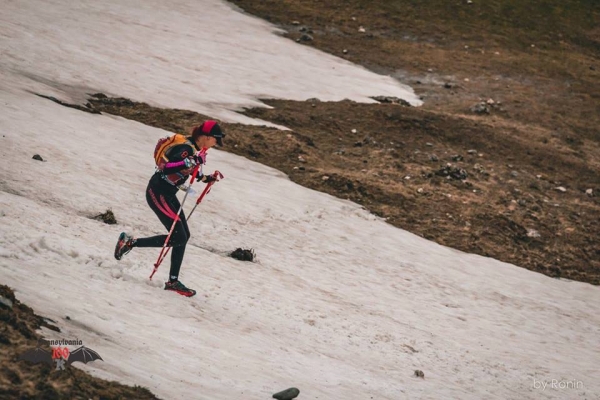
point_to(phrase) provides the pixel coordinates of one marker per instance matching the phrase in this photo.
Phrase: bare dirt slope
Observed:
(502, 160)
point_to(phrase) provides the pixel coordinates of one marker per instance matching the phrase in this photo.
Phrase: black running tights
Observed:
(165, 205)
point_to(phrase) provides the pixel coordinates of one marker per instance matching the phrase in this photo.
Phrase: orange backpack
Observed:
(165, 144)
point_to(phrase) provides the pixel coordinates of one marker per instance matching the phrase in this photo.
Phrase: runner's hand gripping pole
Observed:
(165, 250)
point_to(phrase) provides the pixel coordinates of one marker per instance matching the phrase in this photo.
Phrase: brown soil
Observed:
(533, 64)
(405, 163)
(23, 380)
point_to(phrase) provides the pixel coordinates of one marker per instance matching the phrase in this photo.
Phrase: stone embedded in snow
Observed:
(37, 157)
(243, 254)
(560, 189)
(287, 394)
(419, 373)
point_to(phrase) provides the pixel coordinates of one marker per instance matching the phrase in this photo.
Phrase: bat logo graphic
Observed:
(83, 354)
(37, 355)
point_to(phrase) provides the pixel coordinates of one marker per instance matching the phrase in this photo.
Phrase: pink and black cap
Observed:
(209, 128)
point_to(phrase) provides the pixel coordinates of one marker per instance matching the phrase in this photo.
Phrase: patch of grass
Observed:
(108, 217)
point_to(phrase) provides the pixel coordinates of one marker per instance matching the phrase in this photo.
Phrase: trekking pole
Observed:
(204, 193)
(165, 249)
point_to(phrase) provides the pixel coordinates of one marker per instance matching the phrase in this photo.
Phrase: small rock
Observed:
(37, 157)
(420, 190)
(345, 51)
(457, 157)
(491, 102)
(472, 151)
(6, 302)
(325, 178)
(243, 254)
(560, 189)
(452, 173)
(301, 168)
(353, 131)
(296, 168)
(514, 173)
(539, 176)
(434, 158)
(497, 53)
(532, 233)
(429, 144)
(407, 177)
(480, 108)
(301, 159)
(306, 38)
(295, 22)
(419, 374)
(466, 79)
(391, 99)
(589, 192)
(361, 29)
(287, 394)
(448, 85)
